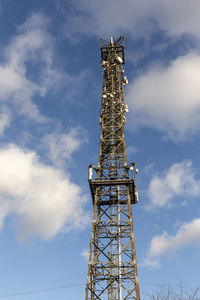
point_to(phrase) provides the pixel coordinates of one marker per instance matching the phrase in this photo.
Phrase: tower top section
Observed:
(113, 46)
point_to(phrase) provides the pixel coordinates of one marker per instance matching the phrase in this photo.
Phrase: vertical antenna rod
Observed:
(112, 269)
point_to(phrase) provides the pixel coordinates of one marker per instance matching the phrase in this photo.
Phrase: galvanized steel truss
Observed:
(112, 270)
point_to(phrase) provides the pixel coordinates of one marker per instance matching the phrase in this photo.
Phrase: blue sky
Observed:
(50, 86)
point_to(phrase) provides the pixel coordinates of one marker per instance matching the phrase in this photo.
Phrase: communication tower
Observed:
(112, 269)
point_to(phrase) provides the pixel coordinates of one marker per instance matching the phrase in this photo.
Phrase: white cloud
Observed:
(60, 147)
(179, 16)
(168, 98)
(31, 45)
(164, 244)
(178, 180)
(41, 199)
(29, 69)
(103, 18)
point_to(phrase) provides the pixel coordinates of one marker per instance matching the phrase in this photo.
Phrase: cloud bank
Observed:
(178, 180)
(164, 244)
(32, 46)
(42, 200)
(168, 98)
(29, 71)
(175, 17)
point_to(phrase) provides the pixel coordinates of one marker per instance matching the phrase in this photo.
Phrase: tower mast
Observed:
(112, 269)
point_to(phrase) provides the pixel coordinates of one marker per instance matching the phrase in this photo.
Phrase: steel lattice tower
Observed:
(112, 269)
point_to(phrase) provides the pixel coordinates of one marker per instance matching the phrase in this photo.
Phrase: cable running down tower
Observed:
(112, 269)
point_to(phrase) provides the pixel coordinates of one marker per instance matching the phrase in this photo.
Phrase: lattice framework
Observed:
(112, 269)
